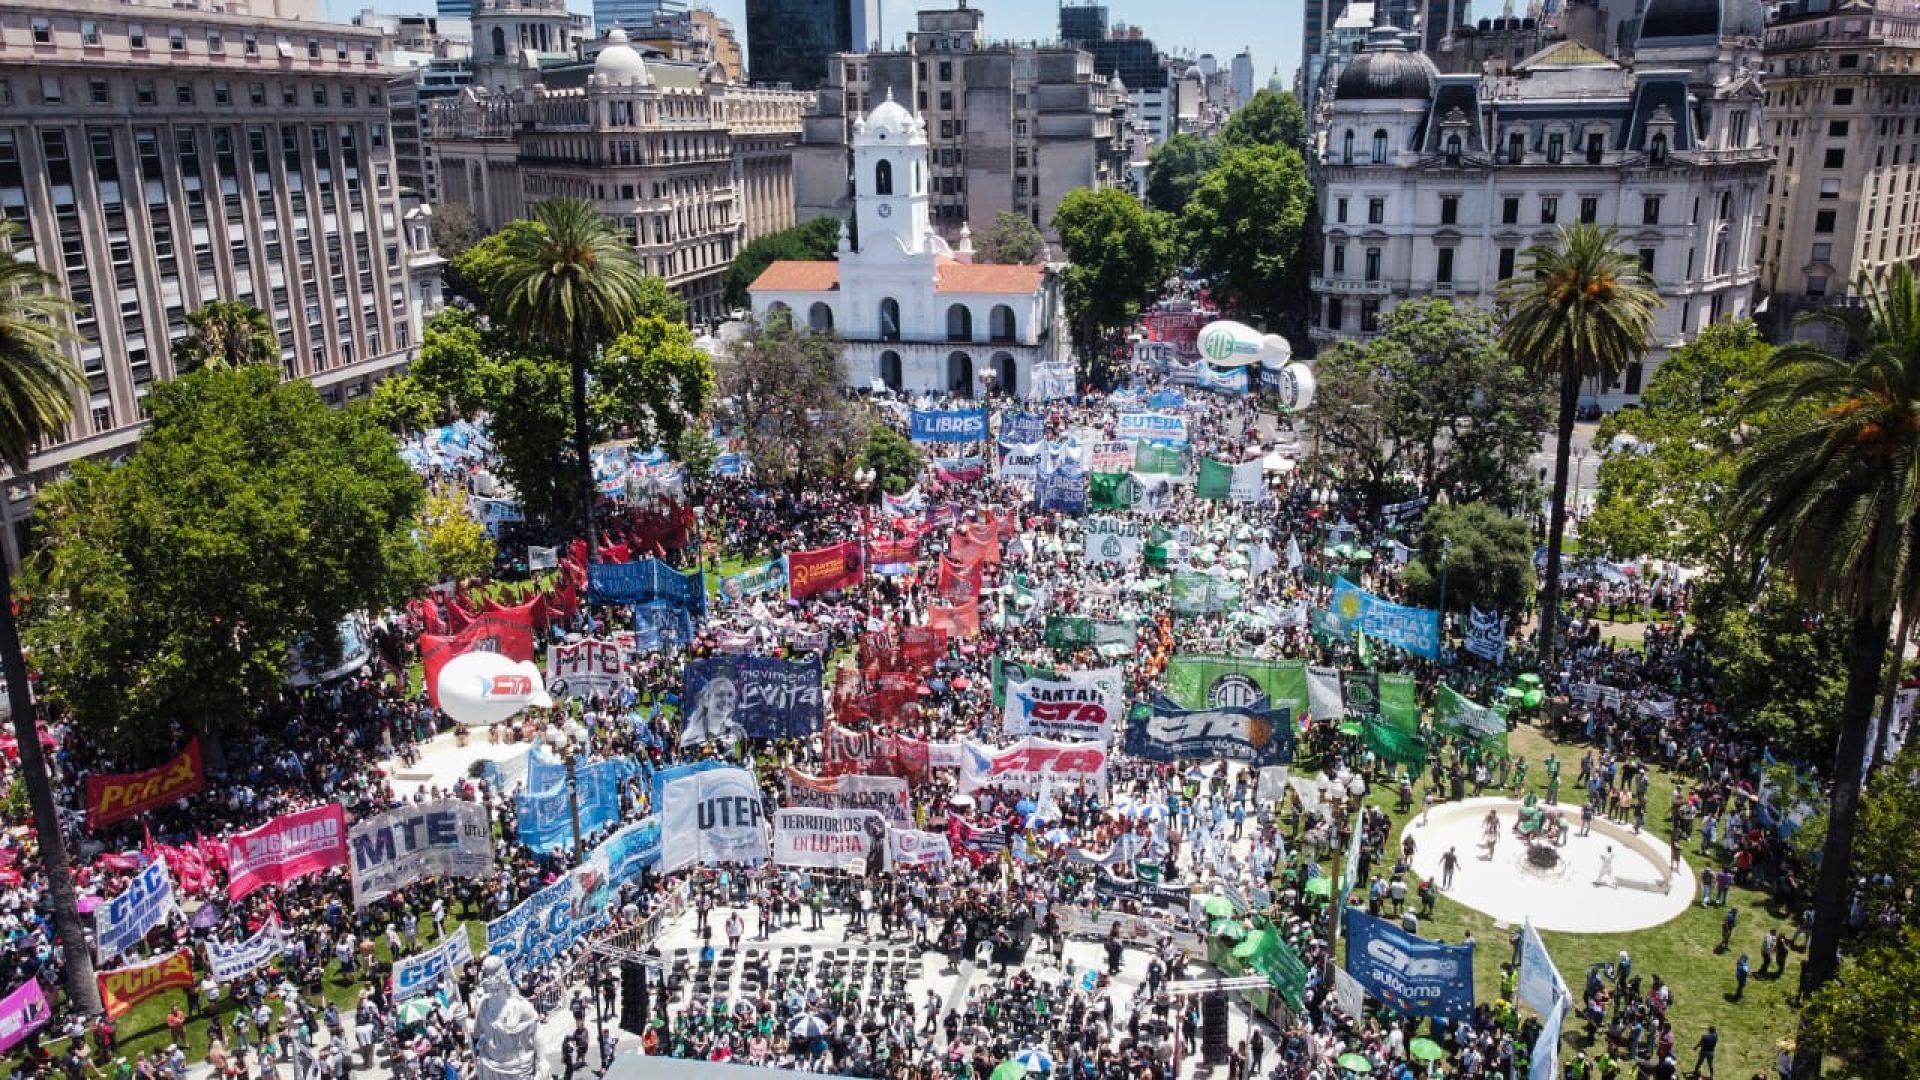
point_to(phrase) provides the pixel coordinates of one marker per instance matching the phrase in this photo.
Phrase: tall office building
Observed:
(791, 41)
(608, 14)
(1843, 117)
(1011, 127)
(1243, 77)
(1127, 57)
(160, 157)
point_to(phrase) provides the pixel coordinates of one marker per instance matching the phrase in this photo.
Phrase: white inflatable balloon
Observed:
(1229, 344)
(1275, 351)
(1296, 388)
(481, 688)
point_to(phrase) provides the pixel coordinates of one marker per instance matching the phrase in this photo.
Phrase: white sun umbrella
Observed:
(1277, 462)
(808, 1026)
(1236, 558)
(1035, 1059)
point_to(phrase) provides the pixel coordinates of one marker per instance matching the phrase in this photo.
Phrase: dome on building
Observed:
(1193, 72)
(1275, 82)
(1672, 22)
(890, 121)
(618, 63)
(1385, 70)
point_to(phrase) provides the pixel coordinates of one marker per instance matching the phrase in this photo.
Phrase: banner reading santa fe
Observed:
(826, 839)
(1033, 761)
(1077, 705)
(713, 818)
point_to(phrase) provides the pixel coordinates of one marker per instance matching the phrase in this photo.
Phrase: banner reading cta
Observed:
(287, 848)
(123, 988)
(119, 796)
(1411, 974)
(826, 839)
(837, 566)
(1256, 736)
(1031, 762)
(397, 848)
(1077, 705)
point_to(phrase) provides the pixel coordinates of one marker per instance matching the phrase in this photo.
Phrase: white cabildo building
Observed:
(917, 315)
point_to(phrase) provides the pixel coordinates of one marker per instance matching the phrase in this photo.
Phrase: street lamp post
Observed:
(1446, 556)
(567, 740)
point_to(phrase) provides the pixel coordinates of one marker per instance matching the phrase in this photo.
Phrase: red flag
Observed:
(958, 620)
(508, 632)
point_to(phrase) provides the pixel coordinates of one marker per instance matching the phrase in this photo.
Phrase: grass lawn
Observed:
(1681, 952)
(143, 1029)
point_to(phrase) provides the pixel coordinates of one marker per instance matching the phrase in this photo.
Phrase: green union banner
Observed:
(1215, 682)
(1216, 480)
(1109, 491)
(1398, 704)
(1158, 460)
(1395, 746)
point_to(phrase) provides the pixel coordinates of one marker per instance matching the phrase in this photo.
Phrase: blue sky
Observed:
(1221, 27)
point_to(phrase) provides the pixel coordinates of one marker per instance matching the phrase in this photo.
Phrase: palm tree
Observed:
(1579, 309)
(37, 383)
(1829, 491)
(571, 283)
(226, 334)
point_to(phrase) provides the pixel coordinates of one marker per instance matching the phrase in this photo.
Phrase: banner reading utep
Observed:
(287, 848)
(949, 425)
(123, 988)
(837, 566)
(22, 1013)
(119, 796)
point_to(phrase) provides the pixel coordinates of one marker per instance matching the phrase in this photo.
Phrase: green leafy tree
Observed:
(1869, 1014)
(1272, 118)
(1011, 239)
(653, 384)
(1175, 167)
(37, 384)
(1487, 556)
(402, 403)
(1357, 428)
(571, 285)
(655, 298)
(1779, 666)
(810, 241)
(783, 389)
(456, 543)
(1830, 492)
(454, 229)
(1579, 309)
(1887, 866)
(1120, 254)
(475, 274)
(892, 457)
(251, 516)
(1243, 227)
(226, 334)
(1668, 491)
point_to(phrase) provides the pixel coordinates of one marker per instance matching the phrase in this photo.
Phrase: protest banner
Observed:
(1022, 427)
(1487, 635)
(949, 425)
(417, 973)
(770, 576)
(1113, 540)
(1152, 427)
(547, 924)
(726, 698)
(1417, 630)
(22, 1013)
(1213, 682)
(836, 566)
(397, 848)
(508, 632)
(646, 581)
(1018, 462)
(1111, 456)
(826, 839)
(123, 988)
(286, 849)
(122, 922)
(1076, 705)
(1033, 761)
(1256, 736)
(912, 847)
(236, 960)
(1411, 974)
(713, 818)
(883, 795)
(590, 667)
(119, 796)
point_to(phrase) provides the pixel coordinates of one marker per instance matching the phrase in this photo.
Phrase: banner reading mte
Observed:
(590, 667)
(949, 425)
(119, 796)
(1416, 630)
(287, 848)
(397, 848)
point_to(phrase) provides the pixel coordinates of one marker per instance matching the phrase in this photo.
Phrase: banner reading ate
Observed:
(119, 796)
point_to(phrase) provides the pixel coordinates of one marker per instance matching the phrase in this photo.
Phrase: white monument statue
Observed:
(503, 1029)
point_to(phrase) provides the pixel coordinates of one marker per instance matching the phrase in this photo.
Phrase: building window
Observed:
(250, 43)
(1369, 316)
(1335, 313)
(1380, 146)
(1346, 148)
(183, 93)
(136, 36)
(1843, 95)
(1506, 264)
(1589, 209)
(1646, 260)
(1650, 210)
(100, 91)
(1549, 209)
(889, 319)
(222, 94)
(42, 31)
(143, 92)
(883, 178)
(1340, 209)
(1836, 158)
(1449, 209)
(946, 71)
(313, 48)
(89, 32)
(1823, 220)
(1339, 258)
(1516, 148)
(1823, 252)
(1837, 129)
(216, 44)
(176, 39)
(1453, 149)
(1830, 188)
(1510, 210)
(1657, 153)
(1556, 148)
(50, 89)
(1373, 264)
(1443, 266)
(1816, 286)
(257, 93)
(1636, 372)
(1376, 211)
(1596, 146)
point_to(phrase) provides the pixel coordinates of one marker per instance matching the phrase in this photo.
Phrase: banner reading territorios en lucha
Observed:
(287, 848)
(119, 796)
(123, 988)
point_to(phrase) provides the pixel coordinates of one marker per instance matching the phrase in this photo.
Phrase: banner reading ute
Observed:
(119, 796)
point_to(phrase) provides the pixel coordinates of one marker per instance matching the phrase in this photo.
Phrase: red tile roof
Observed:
(792, 275)
(959, 277)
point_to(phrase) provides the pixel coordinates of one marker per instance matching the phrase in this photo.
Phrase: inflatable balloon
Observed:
(1229, 344)
(1275, 351)
(1296, 388)
(480, 688)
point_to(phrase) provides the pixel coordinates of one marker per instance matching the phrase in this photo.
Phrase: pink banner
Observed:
(22, 1013)
(287, 848)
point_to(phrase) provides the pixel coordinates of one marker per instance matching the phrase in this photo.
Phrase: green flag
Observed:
(1327, 626)
(1156, 548)
(1069, 631)
(1275, 959)
(1159, 460)
(1456, 712)
(1211, 682)
(1109, 491)
(1197, 593)
(1005, 671)
(1398, 704)
(1395, 746)
(1215, 482)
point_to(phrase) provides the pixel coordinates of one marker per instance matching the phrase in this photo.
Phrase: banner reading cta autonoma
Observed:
(827, 839)
(397, 848)
(1409, 973)
(713, 818)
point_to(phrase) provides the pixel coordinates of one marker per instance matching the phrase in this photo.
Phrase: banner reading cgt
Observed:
(396, 849)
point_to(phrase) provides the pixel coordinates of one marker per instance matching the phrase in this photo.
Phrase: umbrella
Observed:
(1425, 1050)
(1025, 806)
(416, 1011)
(1217, 907)
(1354, 1063)
(964, 683)
(1531, 698)
(1530, 679)
(1034, 1060)
(1010, 1070)
(1231, 929)
(807, 1026)
(1320, 886)
(1352, 727)
(1512, 692)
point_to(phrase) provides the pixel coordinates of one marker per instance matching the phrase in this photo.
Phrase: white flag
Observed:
(1294, 561)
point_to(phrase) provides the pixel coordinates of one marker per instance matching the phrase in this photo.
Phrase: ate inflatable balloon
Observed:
(481, 688)
(1230, 344)
(1296, 388)
(1275, 351)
